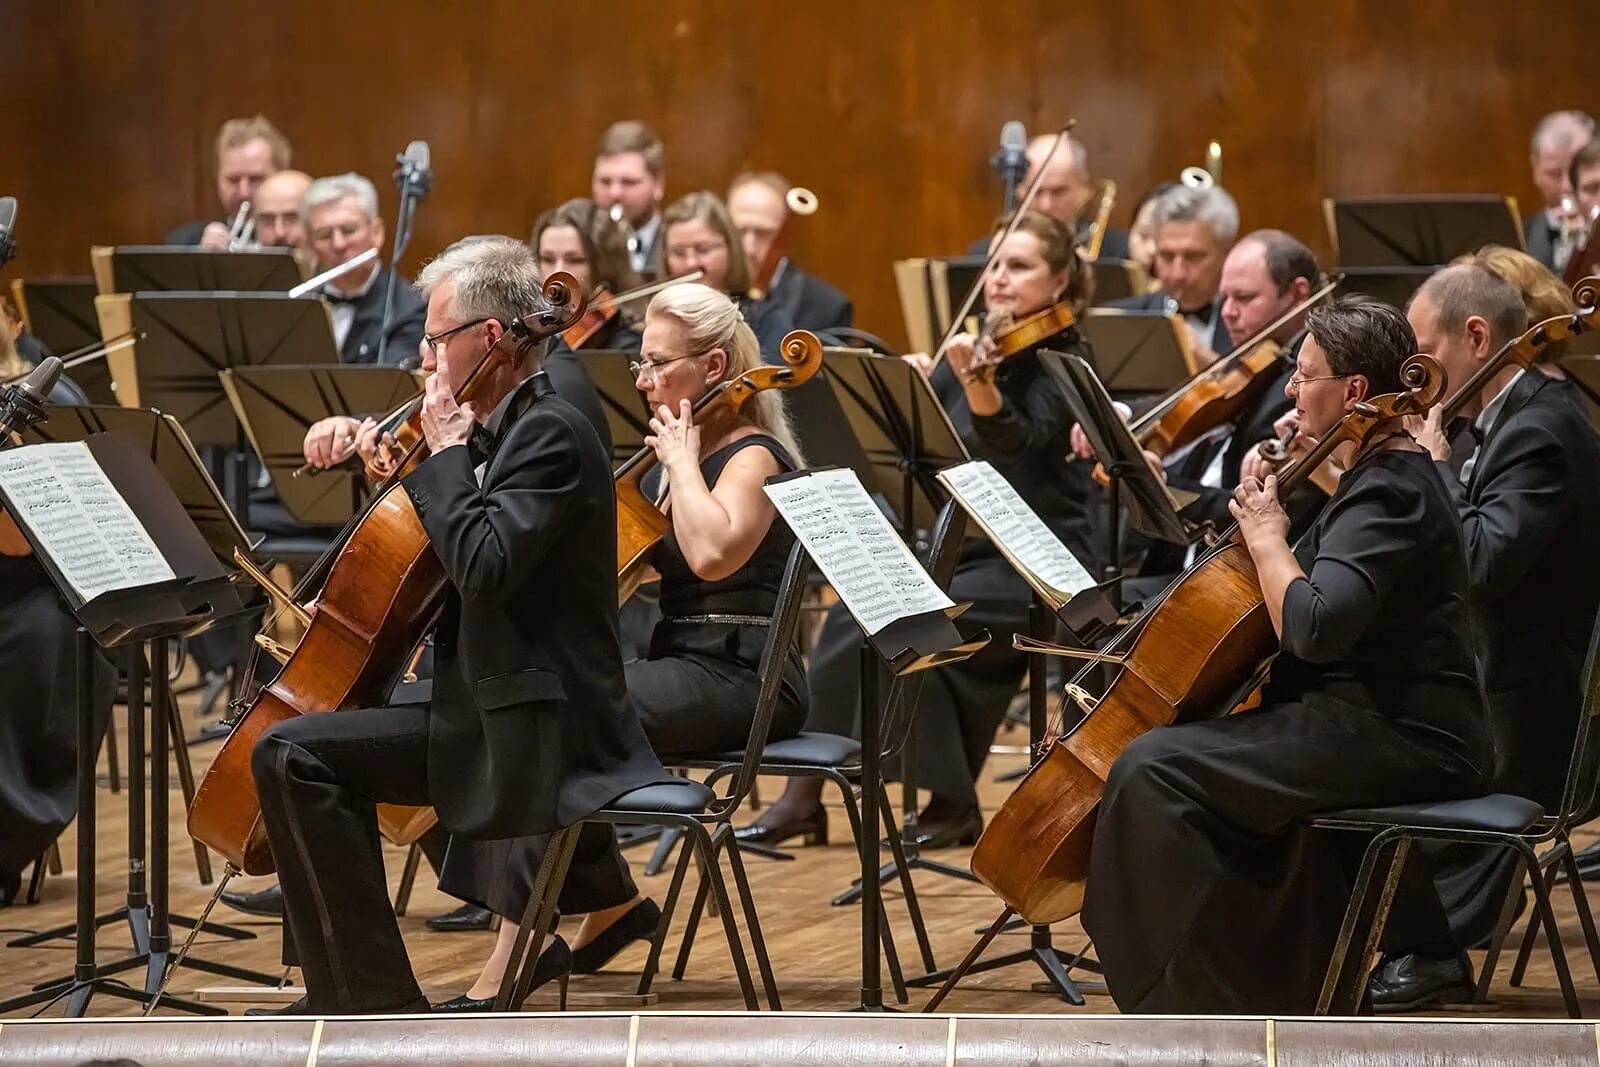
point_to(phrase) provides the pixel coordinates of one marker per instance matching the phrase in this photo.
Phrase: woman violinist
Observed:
(720, 566)
(1011, 414)
(584, 241)
(1205, 891)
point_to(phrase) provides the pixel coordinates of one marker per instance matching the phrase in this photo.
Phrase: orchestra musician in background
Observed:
(630, 174)
(248, 150)
(1550, 233)
(1193, 229)
(757, 205)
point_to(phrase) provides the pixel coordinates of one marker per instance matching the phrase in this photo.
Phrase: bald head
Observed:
(277, 209)
(1064, 189)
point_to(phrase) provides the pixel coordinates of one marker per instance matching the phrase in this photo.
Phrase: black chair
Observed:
(1498, 820)
(836, 758)
(701, 814)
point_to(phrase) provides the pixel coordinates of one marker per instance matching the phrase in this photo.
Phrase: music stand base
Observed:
(891, 870)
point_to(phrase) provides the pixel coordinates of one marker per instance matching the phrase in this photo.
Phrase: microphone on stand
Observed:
(1011, 161)
(8, 219)
(413, 175)
(22, 405)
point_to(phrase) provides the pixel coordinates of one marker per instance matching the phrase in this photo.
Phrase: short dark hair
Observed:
(1366, 337)
(1465, 289)
(631, 135)
(1287, 257)
(1584, 158)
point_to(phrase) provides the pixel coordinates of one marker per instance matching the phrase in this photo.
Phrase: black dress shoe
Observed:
(10, 885)
(299, 1007)
(267, 902)
(959, 830)
(639, 924)
(1406, 983)
(813, 826)
(554, 963)
(466, 917)
(419, 1006)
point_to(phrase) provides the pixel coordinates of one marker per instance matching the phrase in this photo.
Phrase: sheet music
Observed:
(82, 523)
(1016, 528)
(862, 557)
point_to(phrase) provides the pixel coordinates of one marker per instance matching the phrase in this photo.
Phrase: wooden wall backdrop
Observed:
(887, 109)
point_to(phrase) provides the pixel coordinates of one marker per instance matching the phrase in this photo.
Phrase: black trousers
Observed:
(1207, 892)
(320, 778)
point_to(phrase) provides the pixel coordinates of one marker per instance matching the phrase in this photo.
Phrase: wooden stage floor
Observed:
(814, 946)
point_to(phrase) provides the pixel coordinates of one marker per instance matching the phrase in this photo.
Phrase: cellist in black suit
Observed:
(1528, 492)
(528, 729)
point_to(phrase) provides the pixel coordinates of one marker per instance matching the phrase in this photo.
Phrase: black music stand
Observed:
(277, 404)
(906, 645)
(1418, 231)
(58, 311)
(1137, 353)
(128, 617)
(625, 408)
(162, 268)
(1115, 279)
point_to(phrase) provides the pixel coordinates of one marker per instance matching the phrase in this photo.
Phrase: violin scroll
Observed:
(1586, 294)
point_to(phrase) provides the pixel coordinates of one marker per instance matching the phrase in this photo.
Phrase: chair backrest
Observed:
(905, 691)
(780, 640)
(1580, 798)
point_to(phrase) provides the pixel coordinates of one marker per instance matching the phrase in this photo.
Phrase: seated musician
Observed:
(579, 238)
(1584, 174)
(1066, 193)
(698, 235)
(276, 210)
(248, 150)
(1529, 498)
(1142, 234)
(758, 207)
(1014, 416)
(1193, 230)
(341, 219)
(529, 727)
(1549, 232)
(696, 689)
(630, 170)
(1205, 891)
(39, 701)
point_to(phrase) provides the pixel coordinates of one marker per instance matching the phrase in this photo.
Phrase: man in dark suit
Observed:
(528, 729)
(758, 205)
(630, 174)
(1544, 232)
(1066, 192)
(248, 150)
(1529, 499)
(341, 221)
(1194, 228)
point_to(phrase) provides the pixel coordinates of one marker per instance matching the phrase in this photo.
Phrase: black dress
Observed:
(1027, 441)
(694, 692)
(1206, 893)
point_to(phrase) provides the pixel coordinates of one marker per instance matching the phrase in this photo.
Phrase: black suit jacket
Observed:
(530, 728)
(1221, 343)
(1530, 516)
(811, 303)
(1540, 241)
(189, 233)
(405, 325)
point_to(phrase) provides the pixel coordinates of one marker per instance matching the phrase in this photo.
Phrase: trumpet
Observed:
(1207, 176)
(241, 235)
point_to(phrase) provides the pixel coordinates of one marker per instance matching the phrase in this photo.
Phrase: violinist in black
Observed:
(695, 689)
(1206, 890)
(1013, 415)
(582, 240)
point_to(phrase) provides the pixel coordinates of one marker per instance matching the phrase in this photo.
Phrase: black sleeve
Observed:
(572, 384)
(1520, 498)
(405, 332)
(1368, 538)
(493, 538)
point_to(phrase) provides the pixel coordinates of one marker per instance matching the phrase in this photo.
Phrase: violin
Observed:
(1202, 645)
(641, 524)
(377, 591)
(1013, 336)
(601, 310)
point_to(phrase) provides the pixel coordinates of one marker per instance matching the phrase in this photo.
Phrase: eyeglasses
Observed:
(648, 369)
(433, 343)
(1296, 380)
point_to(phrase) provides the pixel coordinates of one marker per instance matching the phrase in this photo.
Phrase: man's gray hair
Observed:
(495, 278)
(1212, 206)
(340, 186)
(1562, 129)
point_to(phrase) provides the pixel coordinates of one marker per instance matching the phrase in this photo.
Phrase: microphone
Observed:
(22, 405)
(414, 169)
(8, 218)
(1011, 161)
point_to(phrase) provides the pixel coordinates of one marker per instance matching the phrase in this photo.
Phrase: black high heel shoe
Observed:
(639, 924)
(554, 963)
(813, 826)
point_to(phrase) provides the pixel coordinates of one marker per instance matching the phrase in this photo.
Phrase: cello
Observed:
(641, 524)
(378, 590)
(1200, 646)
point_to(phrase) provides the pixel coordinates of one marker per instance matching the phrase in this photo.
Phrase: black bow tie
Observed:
(1202, 313)
(1466, 426)
(337, 298)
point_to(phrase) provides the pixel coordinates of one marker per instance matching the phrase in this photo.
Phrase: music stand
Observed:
(163, 268)
(277, 404)
(1137, 352)
(1116, 279)
(1392, 285)
(1418, 231)
(60, 313)
(128, 616)
(627, 414)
